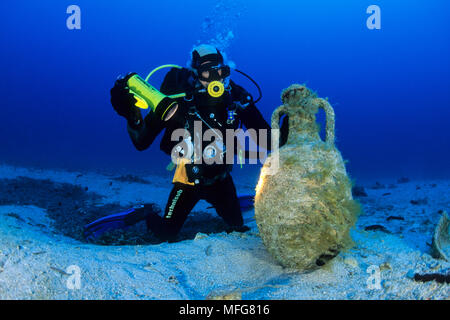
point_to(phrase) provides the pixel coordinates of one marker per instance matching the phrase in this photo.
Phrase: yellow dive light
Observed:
(216, 89)
(147, 96)
(164, 106)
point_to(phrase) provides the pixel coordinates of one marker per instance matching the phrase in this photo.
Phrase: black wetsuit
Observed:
(214, 183)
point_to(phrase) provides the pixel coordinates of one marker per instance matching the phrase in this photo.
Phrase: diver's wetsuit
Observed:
(183, 198)
(214, 183)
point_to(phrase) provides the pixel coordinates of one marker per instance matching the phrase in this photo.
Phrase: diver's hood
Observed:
(204, 53)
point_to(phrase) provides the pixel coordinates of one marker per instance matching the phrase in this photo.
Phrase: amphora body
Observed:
(304, 207)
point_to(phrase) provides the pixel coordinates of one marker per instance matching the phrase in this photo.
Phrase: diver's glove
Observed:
(241, 98)
(123, 101)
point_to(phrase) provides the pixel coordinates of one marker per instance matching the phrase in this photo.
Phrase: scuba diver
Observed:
(202, 96)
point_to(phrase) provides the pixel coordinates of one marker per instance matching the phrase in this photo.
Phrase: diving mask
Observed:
(211, 71)
(216, 75)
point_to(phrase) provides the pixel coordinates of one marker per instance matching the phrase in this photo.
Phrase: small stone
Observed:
(410, 274)
(200, 236)
(418, 202)
(434, 265)
(358, 191)
(351, 296)
(376, 227)
(351, 262)
(403, 180)
(173, 279)
(149, 267)
(385, 266)
(233, 295)
(386, 284)
(394, 218)
(378, 185)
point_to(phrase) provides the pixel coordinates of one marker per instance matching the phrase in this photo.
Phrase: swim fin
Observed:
(125, 219)
(121, 220)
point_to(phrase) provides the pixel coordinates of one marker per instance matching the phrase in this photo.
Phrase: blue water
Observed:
(389, 87)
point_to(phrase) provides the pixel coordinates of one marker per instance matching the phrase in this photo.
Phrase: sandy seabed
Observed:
(41, 256)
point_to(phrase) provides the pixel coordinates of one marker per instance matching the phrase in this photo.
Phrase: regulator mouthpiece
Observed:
(216, 89)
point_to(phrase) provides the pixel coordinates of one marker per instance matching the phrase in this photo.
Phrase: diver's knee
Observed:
(163, 229)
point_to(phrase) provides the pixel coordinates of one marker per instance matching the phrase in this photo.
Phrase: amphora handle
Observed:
(275, 122)
(322, 103)
(329, 113)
